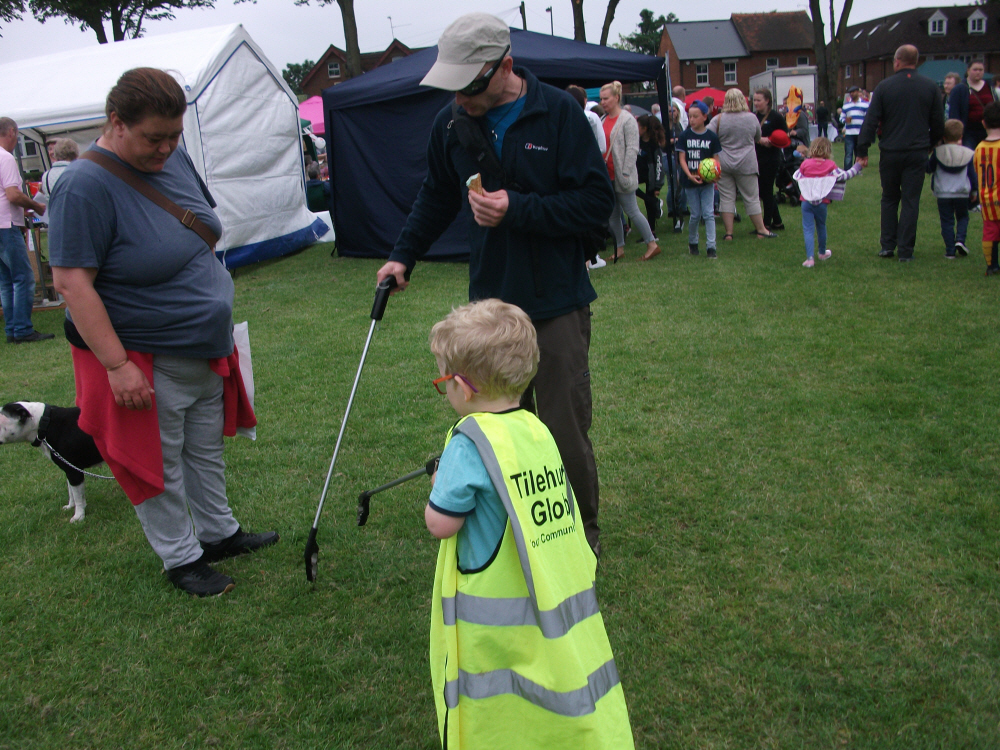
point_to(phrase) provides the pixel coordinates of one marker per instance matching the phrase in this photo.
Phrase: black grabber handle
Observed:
(364, 498)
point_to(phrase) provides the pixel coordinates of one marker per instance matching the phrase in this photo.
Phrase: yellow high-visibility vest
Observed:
(519, 654)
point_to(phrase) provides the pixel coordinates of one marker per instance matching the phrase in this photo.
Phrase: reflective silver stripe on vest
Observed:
(554, 623)
(507, 682)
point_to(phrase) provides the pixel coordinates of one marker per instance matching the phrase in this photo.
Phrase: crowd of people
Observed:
(765, 154)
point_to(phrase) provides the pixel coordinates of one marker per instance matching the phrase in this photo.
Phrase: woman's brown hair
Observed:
(145, 91)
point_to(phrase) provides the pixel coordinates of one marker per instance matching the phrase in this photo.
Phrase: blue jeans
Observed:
(17, 283)
(700, 199)
(953, 211)
(814, 226)
(850, 141)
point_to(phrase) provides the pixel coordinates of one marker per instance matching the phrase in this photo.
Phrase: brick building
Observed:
(959, 33)
(332, 66)
(725, 53)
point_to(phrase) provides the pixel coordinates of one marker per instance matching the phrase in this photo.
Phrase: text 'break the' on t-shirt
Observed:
(697, 146)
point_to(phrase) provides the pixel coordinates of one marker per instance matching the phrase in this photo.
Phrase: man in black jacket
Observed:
(909, 109)
(525, 240)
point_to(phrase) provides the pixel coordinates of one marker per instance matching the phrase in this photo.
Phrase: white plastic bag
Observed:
(241, 335)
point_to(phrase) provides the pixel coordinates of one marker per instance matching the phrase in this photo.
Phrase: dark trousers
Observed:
(821, 129)
(954, 215)
(652, 204)
(850, 142)
(902, 174)
(768, 170)
(561, 389)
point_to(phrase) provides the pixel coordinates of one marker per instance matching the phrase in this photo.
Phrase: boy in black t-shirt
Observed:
(695, 144)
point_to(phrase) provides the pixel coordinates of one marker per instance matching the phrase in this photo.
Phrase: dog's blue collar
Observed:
(43, 427)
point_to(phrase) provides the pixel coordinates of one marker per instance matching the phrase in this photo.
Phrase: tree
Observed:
(294, 73)
(646, 38)
(579, 31)
(125, 16)
(350, 33)
(609, 16)
(11, 10)
(828, 56)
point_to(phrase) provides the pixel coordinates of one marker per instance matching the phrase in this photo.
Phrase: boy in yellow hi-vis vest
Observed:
(519, 655)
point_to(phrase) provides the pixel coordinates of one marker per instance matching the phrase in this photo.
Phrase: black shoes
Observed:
(993, 270)
(907, 259)
(779, 227)
(693, 248)
(199, 579)
(239, 543)
(886, 253)
(711, 253)
(961, 249)
(33, 336)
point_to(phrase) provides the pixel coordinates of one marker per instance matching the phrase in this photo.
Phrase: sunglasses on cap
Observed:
(480, 85)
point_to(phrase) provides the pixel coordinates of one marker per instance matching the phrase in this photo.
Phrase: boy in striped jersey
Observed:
(987, 161)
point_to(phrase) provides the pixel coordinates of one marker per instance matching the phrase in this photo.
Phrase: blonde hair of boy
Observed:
(735, 101)
(820, 148)
(953, 130)
(491, 343)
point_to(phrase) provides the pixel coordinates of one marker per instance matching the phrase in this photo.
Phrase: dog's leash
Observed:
(75, 468)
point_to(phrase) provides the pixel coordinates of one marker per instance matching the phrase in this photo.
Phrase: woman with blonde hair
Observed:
(622, 132)
(738, 131)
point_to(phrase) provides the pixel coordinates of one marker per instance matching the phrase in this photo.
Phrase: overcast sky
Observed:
(289, 33)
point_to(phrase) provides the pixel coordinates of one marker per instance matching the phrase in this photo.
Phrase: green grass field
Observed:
(799, 476)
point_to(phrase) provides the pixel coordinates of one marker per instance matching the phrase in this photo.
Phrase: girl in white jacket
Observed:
(820, 181)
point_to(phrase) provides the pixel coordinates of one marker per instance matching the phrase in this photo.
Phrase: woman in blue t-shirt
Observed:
(149, 315)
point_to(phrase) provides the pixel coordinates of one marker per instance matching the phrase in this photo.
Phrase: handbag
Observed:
(185, 216)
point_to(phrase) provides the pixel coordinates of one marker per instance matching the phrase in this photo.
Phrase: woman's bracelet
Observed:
(119, 365)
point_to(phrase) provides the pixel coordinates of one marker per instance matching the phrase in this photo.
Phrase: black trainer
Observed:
(33, 336)
(693, 248)
(887, 253)
(200, 579)
(239, 543)
(711, 253)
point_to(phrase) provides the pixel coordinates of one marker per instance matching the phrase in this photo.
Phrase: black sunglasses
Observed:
(480, 85)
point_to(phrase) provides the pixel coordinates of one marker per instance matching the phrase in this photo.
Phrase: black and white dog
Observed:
(43, 426)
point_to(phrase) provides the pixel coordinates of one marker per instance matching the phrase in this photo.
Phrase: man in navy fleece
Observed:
(525, 240)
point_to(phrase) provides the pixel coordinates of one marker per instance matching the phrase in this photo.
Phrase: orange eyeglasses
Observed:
(445, 378)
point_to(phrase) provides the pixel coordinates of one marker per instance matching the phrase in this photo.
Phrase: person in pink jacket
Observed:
(820, 181)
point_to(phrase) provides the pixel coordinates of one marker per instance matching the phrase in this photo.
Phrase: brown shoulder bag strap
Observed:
(185, 216)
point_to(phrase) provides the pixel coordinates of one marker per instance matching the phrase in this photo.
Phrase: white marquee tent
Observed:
(241, 127)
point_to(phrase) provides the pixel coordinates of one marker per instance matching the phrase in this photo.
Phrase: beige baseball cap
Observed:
(464, 47)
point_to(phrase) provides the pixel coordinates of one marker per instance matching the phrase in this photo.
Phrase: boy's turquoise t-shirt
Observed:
(463, 488)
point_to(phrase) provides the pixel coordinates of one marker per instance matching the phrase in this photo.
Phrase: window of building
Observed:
(937, 24)
(802, 60)
(847, 71)
(28, 147)
(333, 70)
(701, 74)
(977, 23)
(772, 62)
(729, 68)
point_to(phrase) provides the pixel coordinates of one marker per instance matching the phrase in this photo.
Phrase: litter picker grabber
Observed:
(378, 309)
(364, 497)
